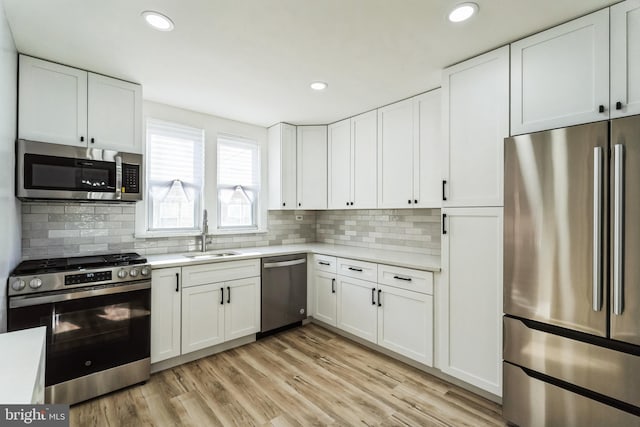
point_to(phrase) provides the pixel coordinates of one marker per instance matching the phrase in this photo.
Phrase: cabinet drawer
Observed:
(406, 278)
(219, 272)
(358, 269)
(325, 263)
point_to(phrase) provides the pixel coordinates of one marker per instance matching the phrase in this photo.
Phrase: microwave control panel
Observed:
(130, 178)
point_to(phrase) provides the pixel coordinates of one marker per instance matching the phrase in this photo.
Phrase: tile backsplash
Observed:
(415, 230)
(55, 229)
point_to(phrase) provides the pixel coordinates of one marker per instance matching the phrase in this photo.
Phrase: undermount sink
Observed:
(208, 255)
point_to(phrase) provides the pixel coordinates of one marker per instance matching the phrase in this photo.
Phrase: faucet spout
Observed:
(205, 231)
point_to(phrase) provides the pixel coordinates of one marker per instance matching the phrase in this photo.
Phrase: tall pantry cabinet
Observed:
(475, 101)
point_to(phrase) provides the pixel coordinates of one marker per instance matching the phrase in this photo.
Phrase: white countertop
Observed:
(21, 354)
(401, 259)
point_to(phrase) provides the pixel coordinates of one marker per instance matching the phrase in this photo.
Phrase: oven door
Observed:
(88, 330)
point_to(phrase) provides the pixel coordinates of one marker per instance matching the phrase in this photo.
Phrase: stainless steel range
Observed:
(97, 310)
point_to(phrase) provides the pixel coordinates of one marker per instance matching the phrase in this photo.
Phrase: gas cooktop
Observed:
(52, 265)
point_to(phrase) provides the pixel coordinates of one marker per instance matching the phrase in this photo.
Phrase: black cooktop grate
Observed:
(40, 266)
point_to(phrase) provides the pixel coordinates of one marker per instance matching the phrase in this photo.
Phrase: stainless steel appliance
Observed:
(54, 171)
(572, 276)
(284, 291)
(97, 313)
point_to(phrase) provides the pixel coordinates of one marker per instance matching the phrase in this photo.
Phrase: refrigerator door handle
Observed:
(597, 229)
(618, 218)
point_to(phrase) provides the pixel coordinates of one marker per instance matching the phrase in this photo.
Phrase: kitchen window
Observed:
(175, 176)
(238, 183)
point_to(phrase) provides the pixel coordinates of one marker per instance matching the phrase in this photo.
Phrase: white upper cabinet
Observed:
(475, 110)
(352, 163)
(114, 114)
(560, 77)
(65, 105)
(340, 165)
(282, 166)
(312, 167)
(52, 104)
(395, 155)
(409, 159)
(427, 158)
(625, 58)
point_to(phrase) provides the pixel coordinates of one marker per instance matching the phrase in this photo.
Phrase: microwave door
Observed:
(553, 233)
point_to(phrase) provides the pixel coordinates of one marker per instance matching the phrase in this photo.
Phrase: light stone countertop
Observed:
(400, 259)
(21, 362)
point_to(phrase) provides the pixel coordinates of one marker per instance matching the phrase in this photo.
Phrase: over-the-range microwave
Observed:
(64, 172)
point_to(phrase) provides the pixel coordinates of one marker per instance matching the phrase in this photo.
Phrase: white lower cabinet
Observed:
(470, 297)
(242, 308)
(398, 317)
(357, 308)
(405, 323)
(200, 306)
(165, 313)
(326, 301)
(202, 317)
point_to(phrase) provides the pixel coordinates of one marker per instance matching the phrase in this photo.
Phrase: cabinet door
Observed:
(288, 172)
(560, 77)
(357, 308)
(202, 316)
(405, 323)
(427, 185)
(115, 114)
(470, 297)
(364, 175)
(242, 308)
(326, 302)
(625, 60)
(312, 167)
(475, 97)
(340, 189)
(165, 314)
(52, 102)
(395, 155)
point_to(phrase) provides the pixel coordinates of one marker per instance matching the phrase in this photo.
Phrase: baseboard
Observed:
(428, 369)
(190, 357)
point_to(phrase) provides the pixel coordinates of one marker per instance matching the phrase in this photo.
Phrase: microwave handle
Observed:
(118, 160)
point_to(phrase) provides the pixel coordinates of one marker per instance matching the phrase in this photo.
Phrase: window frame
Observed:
(257, 190)
(148, 200)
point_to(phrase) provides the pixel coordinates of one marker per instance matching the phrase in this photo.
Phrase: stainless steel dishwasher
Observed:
(284, 291)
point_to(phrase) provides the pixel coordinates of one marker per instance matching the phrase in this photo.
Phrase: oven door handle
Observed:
(28, 301)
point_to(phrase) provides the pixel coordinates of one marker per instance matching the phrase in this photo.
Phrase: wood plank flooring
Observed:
(302, 377)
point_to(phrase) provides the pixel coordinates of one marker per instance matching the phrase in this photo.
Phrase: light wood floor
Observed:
(303, 377)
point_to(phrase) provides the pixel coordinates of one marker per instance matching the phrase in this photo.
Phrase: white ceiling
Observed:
(253, 60)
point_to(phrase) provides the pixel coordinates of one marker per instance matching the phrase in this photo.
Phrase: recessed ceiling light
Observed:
(319, 85)
(157, 20)
(462, 12)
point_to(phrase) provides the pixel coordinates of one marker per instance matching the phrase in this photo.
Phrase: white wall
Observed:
(9, 205)
(212, 126)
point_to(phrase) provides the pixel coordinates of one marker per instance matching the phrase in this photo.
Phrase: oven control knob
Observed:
(122, 273)
(145, 271)
(35, 283)
(18, 285)
(133, 272)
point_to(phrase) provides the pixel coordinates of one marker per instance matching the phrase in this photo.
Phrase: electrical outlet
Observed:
(298, 217)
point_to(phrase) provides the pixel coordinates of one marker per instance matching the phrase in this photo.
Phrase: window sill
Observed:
(241, 231)
(160, 234)
(165, 234)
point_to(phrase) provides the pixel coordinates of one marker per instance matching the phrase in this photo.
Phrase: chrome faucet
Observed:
(205, 230)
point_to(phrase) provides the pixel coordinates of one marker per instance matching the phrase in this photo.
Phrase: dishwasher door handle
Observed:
(284, 263)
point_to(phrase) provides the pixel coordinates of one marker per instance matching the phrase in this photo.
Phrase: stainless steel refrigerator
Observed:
(572, 276)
